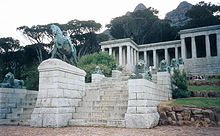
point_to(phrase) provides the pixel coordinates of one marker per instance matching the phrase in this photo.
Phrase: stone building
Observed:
(199, 48)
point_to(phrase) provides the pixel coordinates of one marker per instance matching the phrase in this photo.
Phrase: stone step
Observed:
(95, 122)
(103, 103)
(120, 109)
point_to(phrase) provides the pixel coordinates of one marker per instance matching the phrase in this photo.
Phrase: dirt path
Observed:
(99, 131)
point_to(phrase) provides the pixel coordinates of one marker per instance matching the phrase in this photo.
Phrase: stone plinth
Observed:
(97, 78)
(61, 87)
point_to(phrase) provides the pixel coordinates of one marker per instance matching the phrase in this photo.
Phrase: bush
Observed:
(31, 76)
(103, 60)
(179, 85)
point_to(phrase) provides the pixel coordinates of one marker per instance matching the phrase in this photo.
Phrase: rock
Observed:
(207, 120)
(186, 114)
(198, 117)
(177, 16)
(172, 115)
(192, 119)
(196, 111)
(179, 123)
(209, 114)
(140, 6)
(179, 116)
(178, 108)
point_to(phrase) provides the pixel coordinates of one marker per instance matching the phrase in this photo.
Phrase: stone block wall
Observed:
(16, 105)
(61, 88)
(143, 98)
(208, 66)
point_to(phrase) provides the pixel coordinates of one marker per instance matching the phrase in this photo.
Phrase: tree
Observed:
(8, 44)
(89, 62)
(203, 14)
(143, 26)
(39, 35)
(83, 35)
(179, 84)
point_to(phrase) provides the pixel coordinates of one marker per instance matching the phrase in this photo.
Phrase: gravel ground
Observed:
(99, 131)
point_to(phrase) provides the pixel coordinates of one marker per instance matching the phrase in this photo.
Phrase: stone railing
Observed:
(143, 98)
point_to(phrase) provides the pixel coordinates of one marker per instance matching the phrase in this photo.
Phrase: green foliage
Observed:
(198, 102)
(8, 44)
(203, 14)
(103, 60)
(143, 26)
(31, 77)
(179, 85)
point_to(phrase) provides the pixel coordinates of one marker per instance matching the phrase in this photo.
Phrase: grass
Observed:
(204, 88)
(197, 102)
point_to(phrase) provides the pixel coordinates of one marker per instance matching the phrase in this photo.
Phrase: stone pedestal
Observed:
(164, 81)
(97, 78)
(61, 87)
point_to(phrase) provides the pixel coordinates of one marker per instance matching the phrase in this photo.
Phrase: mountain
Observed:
(177, 16)
(140, 6)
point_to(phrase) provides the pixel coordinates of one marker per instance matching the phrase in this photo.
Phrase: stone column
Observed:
(123, 56)
(166, 55)
(61, 88)
(183, 49)
(132, 57)
(103, 49)
(135, 57)
(120, 55)
(218, 43)
(176, 53)
(128, 55)
(193, 47)
(110, 51)
(154, 58)
(145, 57)
(207, 45)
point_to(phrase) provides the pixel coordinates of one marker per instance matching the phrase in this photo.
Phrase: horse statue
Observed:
(10, 82)
(63, 47)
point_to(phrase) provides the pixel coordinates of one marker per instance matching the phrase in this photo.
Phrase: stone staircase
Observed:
(18, 111)
(104, 104)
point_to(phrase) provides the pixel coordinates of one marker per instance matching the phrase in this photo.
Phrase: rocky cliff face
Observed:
(177, 16)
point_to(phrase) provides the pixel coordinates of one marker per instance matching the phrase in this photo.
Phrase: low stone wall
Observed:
(16, 105)
(188, 116)
(198, 66)
(143, 98)
(204, 94)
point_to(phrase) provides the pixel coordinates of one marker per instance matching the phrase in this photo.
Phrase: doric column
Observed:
(128, 55)
(135, 57)
(103, 49)
(207, 45)
(176, 53)
(110, 51)
(120, 55)
(123, 56)
(193, 47)
(218, 43)
(155, 58)
(166, 54)
(132, 56)
(145, 56)
(183, 48)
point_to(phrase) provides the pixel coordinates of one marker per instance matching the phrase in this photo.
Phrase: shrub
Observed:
(103, 60)
(179, 85)
(31, 76)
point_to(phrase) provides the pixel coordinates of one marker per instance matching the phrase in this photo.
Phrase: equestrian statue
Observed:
(63, 47)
